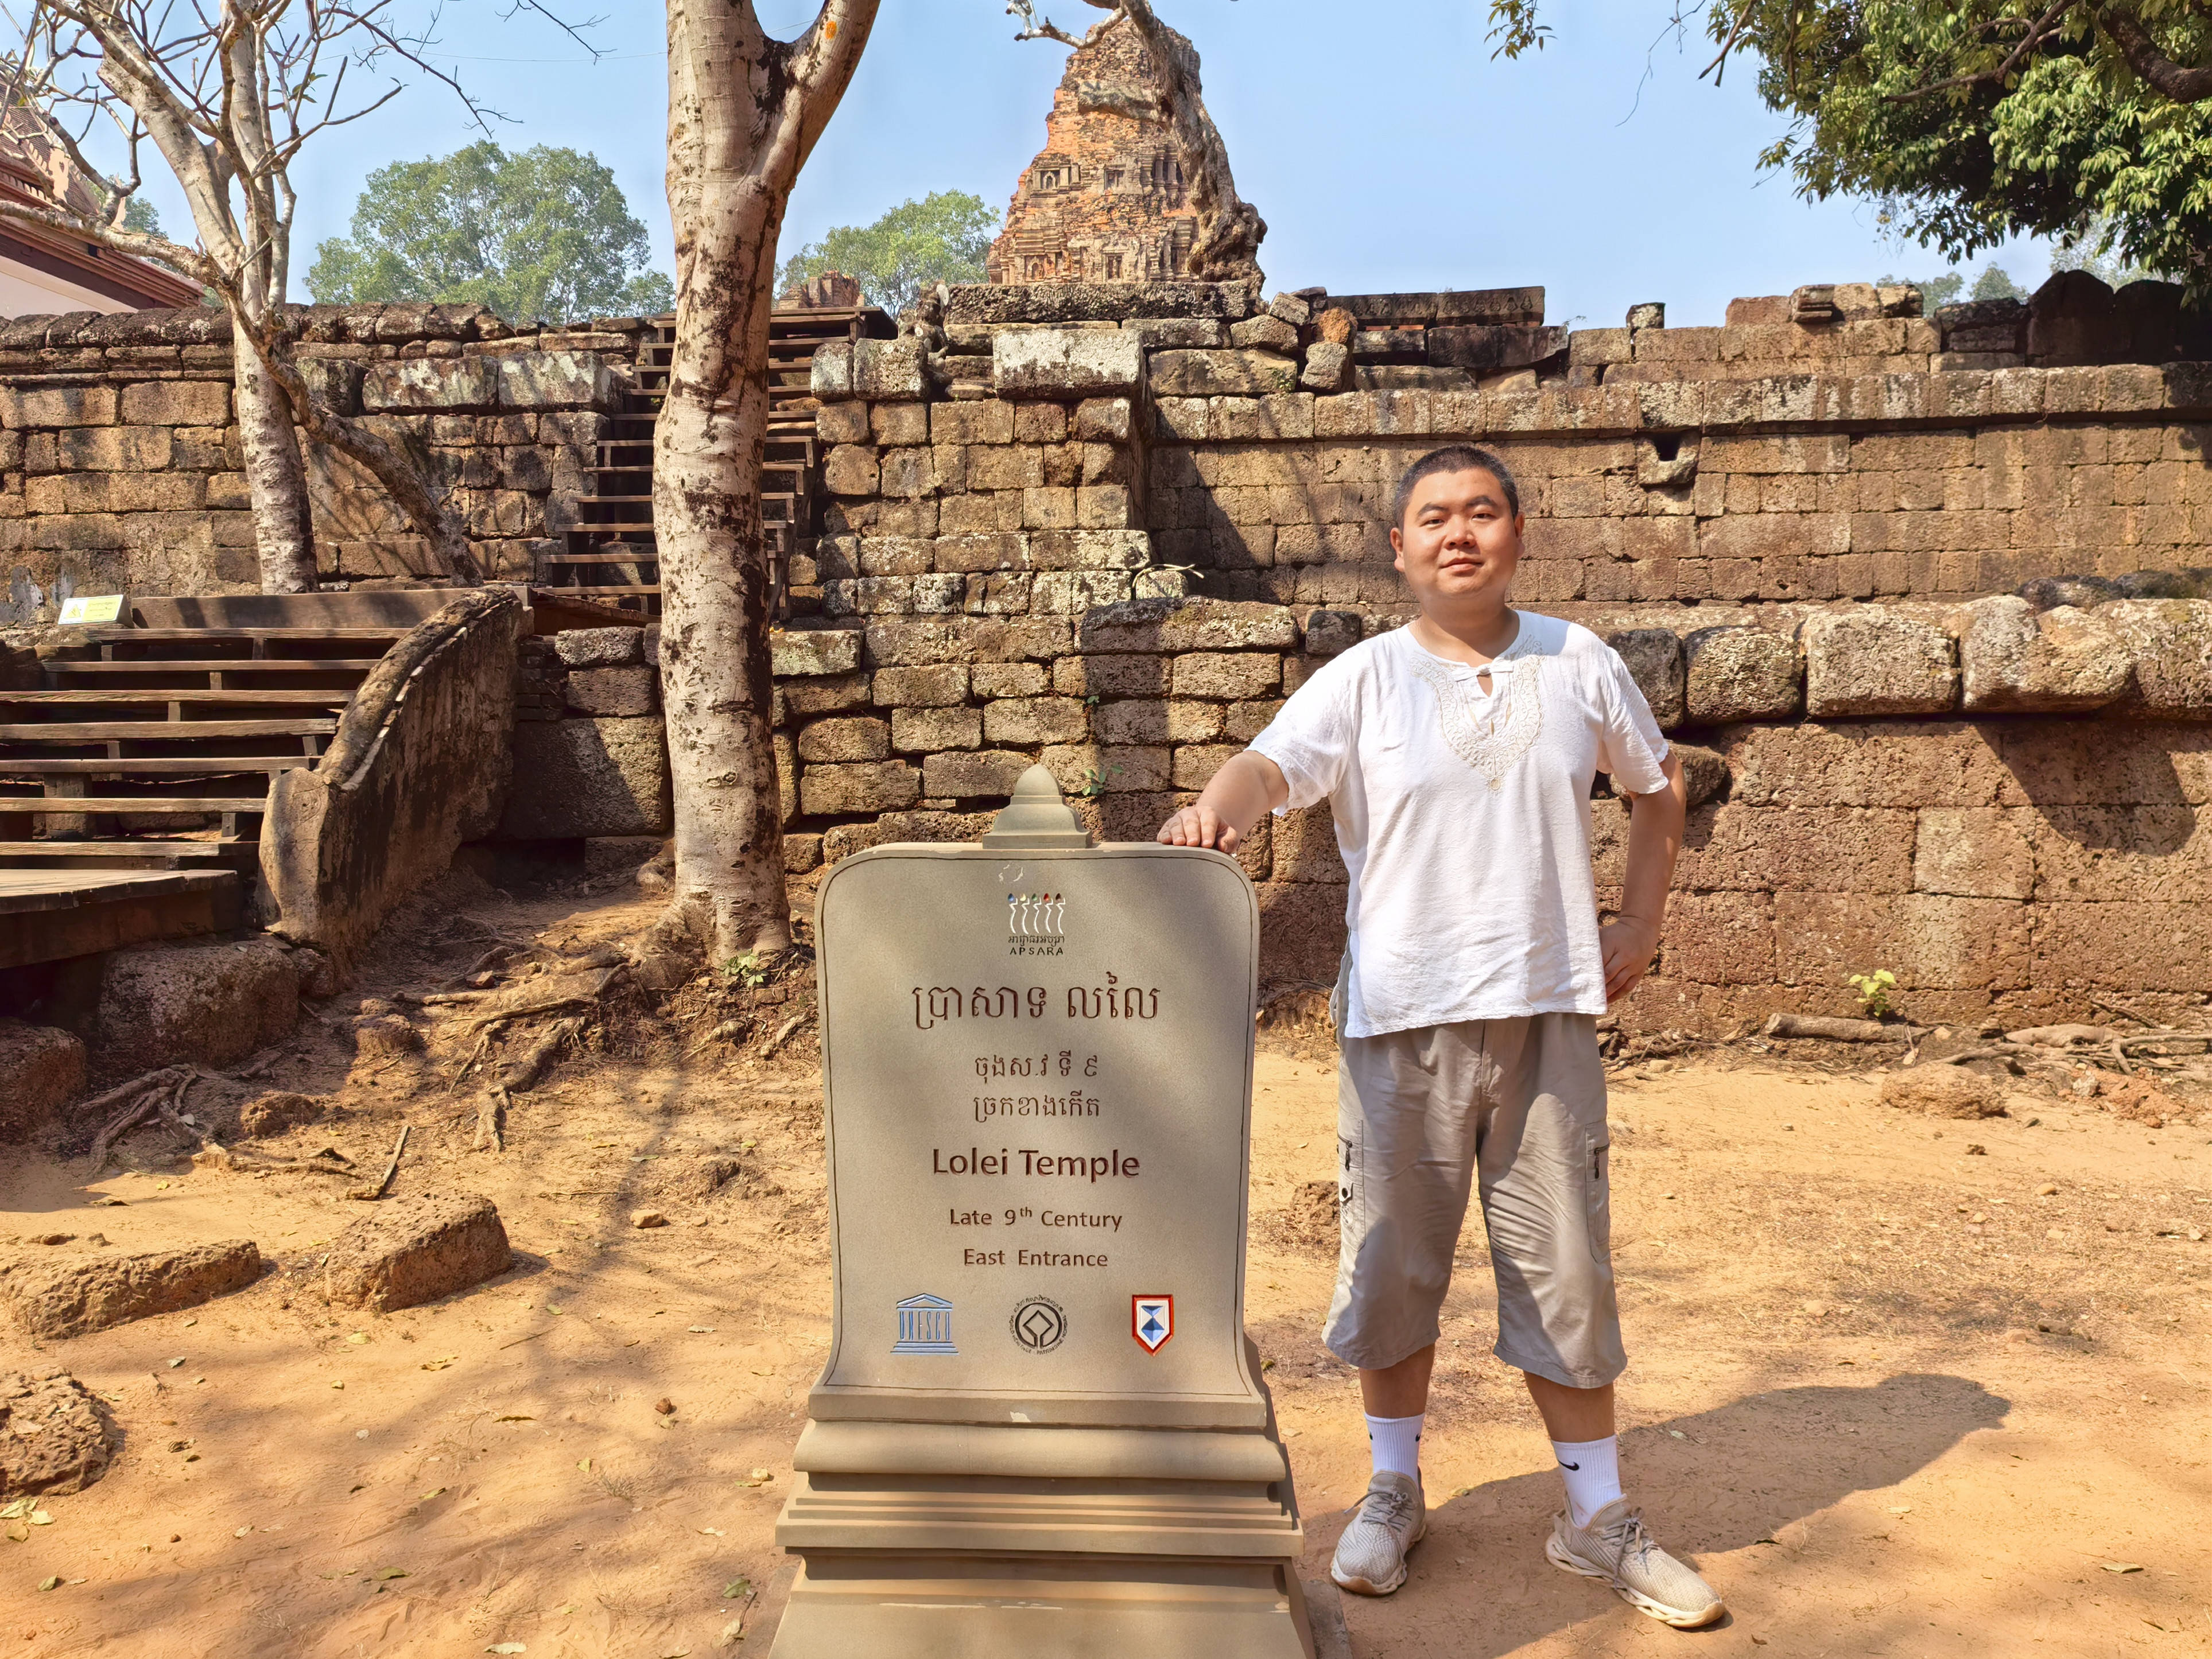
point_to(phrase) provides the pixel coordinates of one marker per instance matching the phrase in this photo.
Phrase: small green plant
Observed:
(1094, 783)
(1874, 991)
(746, 969)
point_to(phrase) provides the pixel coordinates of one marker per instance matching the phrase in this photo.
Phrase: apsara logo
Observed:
(1037, 918)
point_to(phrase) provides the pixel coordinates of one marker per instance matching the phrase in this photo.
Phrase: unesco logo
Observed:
(1039, 1324)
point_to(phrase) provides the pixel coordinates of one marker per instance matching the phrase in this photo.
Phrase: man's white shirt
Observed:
(1464, 817)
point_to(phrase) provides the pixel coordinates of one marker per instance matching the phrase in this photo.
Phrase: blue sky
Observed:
(1383, 146)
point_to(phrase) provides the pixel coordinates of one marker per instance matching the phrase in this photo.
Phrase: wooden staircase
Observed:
(610, 552)
(159, 752)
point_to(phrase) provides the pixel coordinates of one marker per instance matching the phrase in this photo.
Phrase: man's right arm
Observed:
(1245, 790)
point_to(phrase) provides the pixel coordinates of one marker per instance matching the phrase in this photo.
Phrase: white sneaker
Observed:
(1615, 1549)
(1371, 1556)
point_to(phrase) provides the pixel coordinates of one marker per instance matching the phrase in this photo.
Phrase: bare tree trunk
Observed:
(743, 112)
(275, 476)
(402, 467)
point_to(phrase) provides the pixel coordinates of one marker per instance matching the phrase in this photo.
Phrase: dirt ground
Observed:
(1889, 1399)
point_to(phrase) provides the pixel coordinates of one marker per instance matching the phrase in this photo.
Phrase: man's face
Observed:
(1458, 540)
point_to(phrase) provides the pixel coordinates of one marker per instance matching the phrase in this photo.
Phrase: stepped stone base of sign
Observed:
(1005, 1541)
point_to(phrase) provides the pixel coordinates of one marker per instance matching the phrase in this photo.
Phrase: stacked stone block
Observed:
(120, 462)
(1883, 600)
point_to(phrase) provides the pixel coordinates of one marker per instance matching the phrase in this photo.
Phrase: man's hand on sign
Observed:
(1246, 789)
(1200, 825)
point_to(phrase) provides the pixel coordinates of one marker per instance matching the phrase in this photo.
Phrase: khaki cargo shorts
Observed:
(1420, 1116)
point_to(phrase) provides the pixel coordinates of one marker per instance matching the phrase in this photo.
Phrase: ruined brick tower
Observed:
(1105, 201)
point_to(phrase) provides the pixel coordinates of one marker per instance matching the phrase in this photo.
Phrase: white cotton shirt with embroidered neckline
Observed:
(1464, 817)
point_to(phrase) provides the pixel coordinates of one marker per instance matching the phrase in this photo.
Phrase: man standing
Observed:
(1457, 755)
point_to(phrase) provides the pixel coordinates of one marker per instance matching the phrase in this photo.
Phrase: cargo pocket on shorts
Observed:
(1597, 1194)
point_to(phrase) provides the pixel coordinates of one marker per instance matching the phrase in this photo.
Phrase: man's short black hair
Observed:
(1454, 458)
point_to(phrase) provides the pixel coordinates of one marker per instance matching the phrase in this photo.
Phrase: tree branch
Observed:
(1032, 30)
(1718, 67)
(2160, 72)
(191, 261)
(2037, 32)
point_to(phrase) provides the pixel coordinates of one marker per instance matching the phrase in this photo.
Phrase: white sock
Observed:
(1395, 1442)
(1591, 1469)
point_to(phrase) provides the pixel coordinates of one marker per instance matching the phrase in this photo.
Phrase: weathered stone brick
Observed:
(1091, 549)
(1078, 592)
(1719, 938)
(1136, 721)
(2014, 659)
(1654, 657)
(1872, 763)
(1876, 662)
(1010, 679)
(857, 737)
(1734, 847)
(847, 423)
(2121, 854)
(931, 685)
(1226, 675)
(897, 555)
(901, 423)
(1103, 419)
(1040, 423)
(1067, 364)
(1305, 846)
(850, 470)
(1103, 507)
(1972, 851)
(828, 791)
(872, 370)
(73, 405)
(1108, 464)
(1110, 769)
(1036, 720)
(1222, 373)
(990, 421)
(1925, 939)
(998, 593)
(613, 691)
(1742, 674)
(1112, 676)
(1190, 625)
(989, 773)
(1242, 721)
(924, 730)
(826, 696)
(114, 448)
(2121, 946)
(906, 473)
(1051, 507)
(1019, 466)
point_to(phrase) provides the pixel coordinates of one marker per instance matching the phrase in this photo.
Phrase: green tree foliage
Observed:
(1971, 121)
(940, 238)
(1996, 283)
(543, 233)
(1934, 290)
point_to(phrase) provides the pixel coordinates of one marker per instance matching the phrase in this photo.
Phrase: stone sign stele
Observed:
(1041, 1428)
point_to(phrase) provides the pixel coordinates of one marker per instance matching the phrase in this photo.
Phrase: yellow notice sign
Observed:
(92, 608)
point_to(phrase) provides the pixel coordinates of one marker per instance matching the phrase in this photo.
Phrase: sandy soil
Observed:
(1890, 1400)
